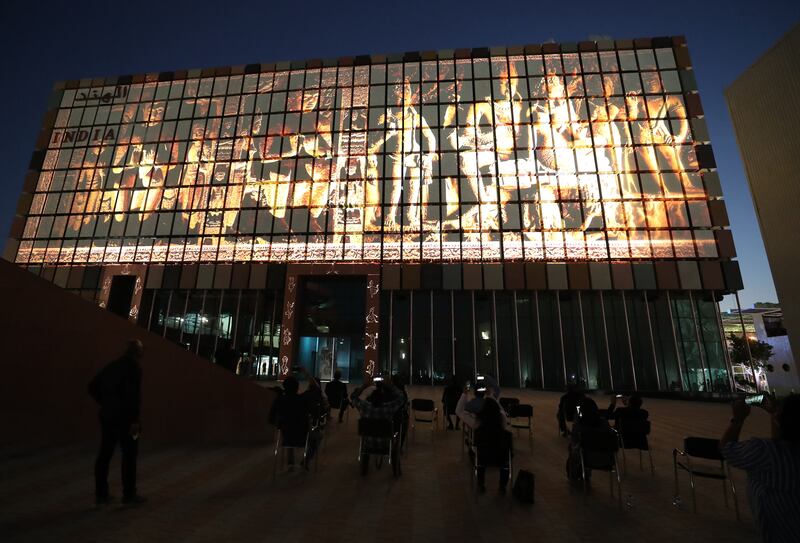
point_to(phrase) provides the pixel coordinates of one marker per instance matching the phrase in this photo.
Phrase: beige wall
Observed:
(764, 104)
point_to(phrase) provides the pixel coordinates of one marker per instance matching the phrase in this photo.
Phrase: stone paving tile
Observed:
(202, 494)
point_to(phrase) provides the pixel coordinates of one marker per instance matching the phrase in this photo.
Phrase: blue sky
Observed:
(43, 42)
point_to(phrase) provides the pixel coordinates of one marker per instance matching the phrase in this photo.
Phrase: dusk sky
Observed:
(44, 42)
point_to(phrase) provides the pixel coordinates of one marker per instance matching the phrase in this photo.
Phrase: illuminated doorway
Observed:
(331, 326)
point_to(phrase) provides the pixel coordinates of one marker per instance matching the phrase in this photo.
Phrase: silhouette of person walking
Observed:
(117, 390)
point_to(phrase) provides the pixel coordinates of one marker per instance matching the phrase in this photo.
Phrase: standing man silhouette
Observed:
(117, 390)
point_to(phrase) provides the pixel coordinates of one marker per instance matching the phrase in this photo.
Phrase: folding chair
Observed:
(466, 437)
(598, 451)
(506, 403)
(705, 449)
(633, 435)
(481, 458)
(520, 416)
(373, 429)
(281, 447)
(319, 429)
(423, 411)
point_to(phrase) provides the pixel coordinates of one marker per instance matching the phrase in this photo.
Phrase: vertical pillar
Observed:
(474, 338)
(583, 338)
(494, 338)
(652, 339)
(410, 337)
(372, 327)
(700, 344)
(516, 338)
(430, 297)
(725, 353)
(452, 334)
(286, 351)
(235, 327)
(605, 338)
(628, 335)
(683, 369)
(539, 335)
(561, 335)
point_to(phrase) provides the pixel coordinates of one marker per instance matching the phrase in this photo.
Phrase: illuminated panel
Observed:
(573, 156)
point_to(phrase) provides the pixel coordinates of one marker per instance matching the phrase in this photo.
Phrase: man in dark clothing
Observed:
(117, 389)
(452, 392)
(336, 391)
(567, 407)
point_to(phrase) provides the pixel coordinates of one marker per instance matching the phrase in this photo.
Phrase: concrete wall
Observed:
(51, 345)
(764, 103)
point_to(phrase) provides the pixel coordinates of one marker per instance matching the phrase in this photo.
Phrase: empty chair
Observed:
(598, 451)
(317, 433)
(706, 450)
(423, 411)
(633, 434)
(520, 416)
(380, 438)
(506, 403)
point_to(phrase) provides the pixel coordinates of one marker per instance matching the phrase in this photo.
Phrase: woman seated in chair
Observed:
(630, 411)
(493, 444)
(290, 414)
(631, 421)
(588, 426)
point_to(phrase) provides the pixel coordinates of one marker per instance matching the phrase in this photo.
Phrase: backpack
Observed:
(524, 486)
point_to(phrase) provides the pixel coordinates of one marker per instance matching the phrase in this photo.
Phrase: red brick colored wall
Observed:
(51, 345)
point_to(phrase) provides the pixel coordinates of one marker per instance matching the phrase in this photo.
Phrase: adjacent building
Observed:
(546, 214)
(764, 104)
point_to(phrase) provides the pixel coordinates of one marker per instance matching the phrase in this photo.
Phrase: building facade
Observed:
(546, 214)
(764, 103)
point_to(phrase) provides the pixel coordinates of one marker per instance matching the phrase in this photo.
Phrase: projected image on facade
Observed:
(569, 156)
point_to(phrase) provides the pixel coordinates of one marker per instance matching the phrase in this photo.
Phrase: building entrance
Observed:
(331, 326)
(121, 294)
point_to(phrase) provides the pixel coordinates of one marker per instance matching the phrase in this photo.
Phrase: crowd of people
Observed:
(772, 464)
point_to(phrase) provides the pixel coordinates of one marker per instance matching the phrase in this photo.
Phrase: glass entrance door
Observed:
(324, 355)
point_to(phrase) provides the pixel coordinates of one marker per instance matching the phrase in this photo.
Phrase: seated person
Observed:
(566, 407)
(336, 391)
(588, 424)
(631, 409)
(471, 404)
(487, 383)
(629, 420)
(290, 413)
(493, 444)
(382, 403)
(452, 392)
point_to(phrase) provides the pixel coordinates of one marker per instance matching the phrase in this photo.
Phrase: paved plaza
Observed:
(227, 493)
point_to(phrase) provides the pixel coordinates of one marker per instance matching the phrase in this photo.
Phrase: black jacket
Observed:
(117, 389)
(336, 391)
